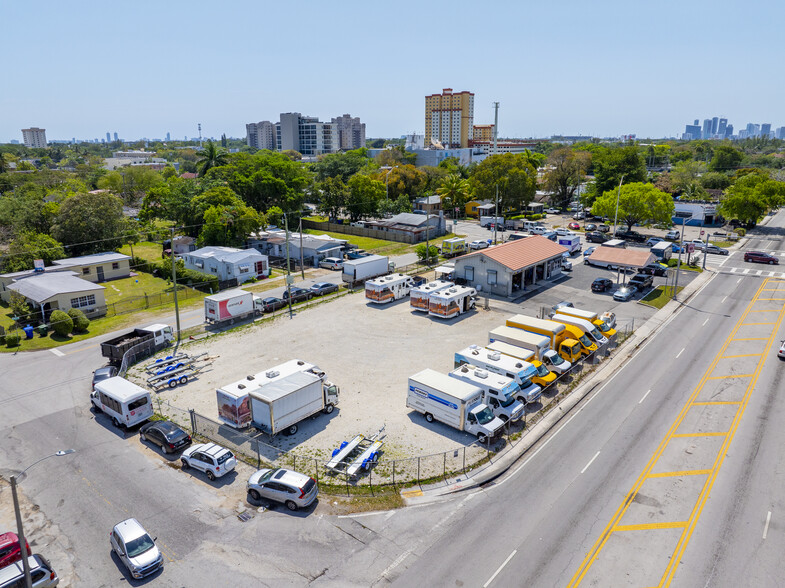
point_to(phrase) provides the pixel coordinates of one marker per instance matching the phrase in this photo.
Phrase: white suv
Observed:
(211, 458)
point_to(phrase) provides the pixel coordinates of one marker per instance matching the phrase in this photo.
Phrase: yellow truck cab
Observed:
(590, 316)
(562, 342)
(587, 346)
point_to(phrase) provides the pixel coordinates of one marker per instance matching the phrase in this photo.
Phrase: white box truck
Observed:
(571, 242)
(539, 344)
(499, 393)
(489, 220)
(124, 402)
(229, 306)
(279, 398)
(452, 302)
(364, 268)
(452, 402)
(420, 296)
(495, 362)
(388, 288)
(234, 405)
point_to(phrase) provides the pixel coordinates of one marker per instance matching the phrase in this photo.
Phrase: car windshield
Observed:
(484, 416)
(138, 546)
(266, 476)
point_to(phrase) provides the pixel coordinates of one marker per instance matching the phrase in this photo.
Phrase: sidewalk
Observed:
(503, 461)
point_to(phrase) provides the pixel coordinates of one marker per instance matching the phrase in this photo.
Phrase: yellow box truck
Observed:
(560, 340)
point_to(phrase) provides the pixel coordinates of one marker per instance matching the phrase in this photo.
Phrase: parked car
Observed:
(589, 227)
(697, 244)
(610, 318)
(322, 288)
(332, 263)
(42, 574)
(652, 241)
(566, 265)
(562, 232)
(211, 458)
(781, 352)
(553, 211)
(630, 236)
(601, 285)
(168, 436)
(675, 248)
(624, 293)
(135, 548)
(654, 269)
(271, 304)
(672, 235)
(552, 235)
(574, 226)
(716, 250)
(291, 488)
(356, 253)
(760, 257)
(298, 294)
(478, 244)
(596, 238)
(603, 228)
(642, 281)
(589, 250)
(11, 549)
(103, 373)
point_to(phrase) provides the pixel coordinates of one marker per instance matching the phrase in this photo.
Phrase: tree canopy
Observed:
(90, 223)
(638, 203)
(610, 164)
(751, 197)
(513, 174)
(567, 169)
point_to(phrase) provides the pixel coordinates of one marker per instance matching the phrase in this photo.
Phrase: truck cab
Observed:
(502, 394)
(587, 346)
(481, 422)
(587, 327)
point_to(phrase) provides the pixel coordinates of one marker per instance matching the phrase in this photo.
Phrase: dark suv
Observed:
(601, 285)
(595, 237)
(760, 257)
(653, 269)
(642, 282)
(631, 236)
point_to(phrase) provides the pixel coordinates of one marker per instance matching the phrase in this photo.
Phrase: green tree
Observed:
(331, 196)
(29, 246)
(364, 195)
(455, 192)
(751, 197)
(514, 176)
(131, 182)
(433, 252)
(19, 306)
(403, 179)
(341, 165)
(62, 324)
(229, 225)
(211, 156)
(90, 223)
(686, 175)
(725, 158)
(638, 203)
(610, 164)
(715, 181)
(567, 170)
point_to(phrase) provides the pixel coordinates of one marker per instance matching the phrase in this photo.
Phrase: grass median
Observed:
(660, 296)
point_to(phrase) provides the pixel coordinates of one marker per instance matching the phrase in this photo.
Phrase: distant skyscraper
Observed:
(351, 132)
(697, 122)
(108, 137)
(692, 132)
(34, 137)
(752, 130)
(780, 134)
(721, 128)
(449, 118)
(260, 135)
(115, 137)
(765, 130)
(168, 136)
(715, 123)
(706, 128)
(728, 131)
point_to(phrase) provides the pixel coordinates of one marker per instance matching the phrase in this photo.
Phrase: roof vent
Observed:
(481, 373)
(241, 386)
(519, 365)
(249, 378)
(494, 355)
(464, 369)
(300, 362)
(272, 373)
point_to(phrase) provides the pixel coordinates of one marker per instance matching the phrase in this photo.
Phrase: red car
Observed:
(10, 549)
(574, 226)
(760, 257)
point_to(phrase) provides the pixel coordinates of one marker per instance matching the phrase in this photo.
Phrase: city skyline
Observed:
(572, 70)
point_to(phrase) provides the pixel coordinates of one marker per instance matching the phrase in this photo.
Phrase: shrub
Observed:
(741, 231)
(13, 339)
(81, 322)
(62, 324)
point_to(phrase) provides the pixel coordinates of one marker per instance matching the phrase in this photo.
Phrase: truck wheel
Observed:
(329, 408)
(255, 495)
(504, 418)
(429, 417)
(482, 438)
(291, 430)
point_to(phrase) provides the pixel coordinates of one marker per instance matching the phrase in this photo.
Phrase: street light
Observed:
(19, 529)
(387, 182)
(616, 216)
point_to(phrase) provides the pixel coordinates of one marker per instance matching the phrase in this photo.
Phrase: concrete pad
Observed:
(736, 365)
(664, 500)
(686, 454)
(714, 418)
(633, 558)
(723, 390)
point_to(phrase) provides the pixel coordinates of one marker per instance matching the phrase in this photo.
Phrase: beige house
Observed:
(62, 290)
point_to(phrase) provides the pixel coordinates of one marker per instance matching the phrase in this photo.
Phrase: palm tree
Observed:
(212, 156)
(455, 191)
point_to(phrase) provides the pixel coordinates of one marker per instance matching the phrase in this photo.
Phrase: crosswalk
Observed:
(752, 272)
(720, 264)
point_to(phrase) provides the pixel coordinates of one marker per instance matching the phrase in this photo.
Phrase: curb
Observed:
(623, 355)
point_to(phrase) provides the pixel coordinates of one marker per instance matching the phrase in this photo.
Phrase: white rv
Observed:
(388, 288)
(419, 296)
(452, 302)
(124, 402)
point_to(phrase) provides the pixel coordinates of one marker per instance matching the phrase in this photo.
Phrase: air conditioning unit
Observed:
(480, 373)
(494, 355)
(272, 374)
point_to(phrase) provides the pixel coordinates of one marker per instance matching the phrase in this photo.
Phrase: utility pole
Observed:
(678, 265)
(302, 264)
(200, 134)
(288, 272)
(616, 216)
(495, 143)
(21, 534)
(174, 282)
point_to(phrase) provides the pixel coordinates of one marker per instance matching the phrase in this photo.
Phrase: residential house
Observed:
(472, 205)
(311, 248)
(418, 226)
(429, 204)
(228, 263)
(50, 291)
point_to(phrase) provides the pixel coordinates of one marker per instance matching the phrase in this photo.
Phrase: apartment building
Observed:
(261, 135)
(351, 132)
(449, 118)
(34, 137)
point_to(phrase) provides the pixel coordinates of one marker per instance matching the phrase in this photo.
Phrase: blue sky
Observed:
(143, 68)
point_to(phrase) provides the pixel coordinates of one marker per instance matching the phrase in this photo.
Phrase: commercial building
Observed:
(261, 135)
(449, 118)
(307, 134)
(34, 137)
(351, 132)
(483, 133)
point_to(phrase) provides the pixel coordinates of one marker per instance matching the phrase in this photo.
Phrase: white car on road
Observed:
(478, 244)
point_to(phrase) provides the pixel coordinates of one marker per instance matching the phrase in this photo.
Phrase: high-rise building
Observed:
(692, 132)
(728, 131)
(168, 136)
(261, 135)
(715, 123)
(449, 118)
(482, 133)
(34, 137)
(752, 130)
(351, 132)
(108, 137)
(706, 128)
(116, 138)
(780, 133)
(305, 134)
(722, 127)
(765, 130)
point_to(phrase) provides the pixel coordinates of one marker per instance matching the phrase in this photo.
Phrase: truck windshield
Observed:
(556, 359)
(525, 383)
(542, 371)
(509, 400)
(484, 416)
(585, 340)
(596, 334)
(604, 327)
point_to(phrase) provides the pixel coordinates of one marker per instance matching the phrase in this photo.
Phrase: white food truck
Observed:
(452, 302)
(419, 297)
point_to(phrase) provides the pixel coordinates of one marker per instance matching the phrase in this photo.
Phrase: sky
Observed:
(603, 68)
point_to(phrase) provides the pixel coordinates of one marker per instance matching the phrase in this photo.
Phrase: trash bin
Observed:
(28, 332)
(42, 330)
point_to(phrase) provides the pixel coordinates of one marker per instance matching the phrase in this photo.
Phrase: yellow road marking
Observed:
(733, 375)
(691, 522)
(681, 473)
(647, 526)
(765, 310)
(751, 324)
(82, 349)
(711, 402)
(752, 339)
(743, 355)
(411, 493)
(712, 434)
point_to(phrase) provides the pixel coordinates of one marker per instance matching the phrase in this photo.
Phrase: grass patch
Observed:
(723, 244)
(660, 296)
(145, 250)
(371, 245)
(143, 285)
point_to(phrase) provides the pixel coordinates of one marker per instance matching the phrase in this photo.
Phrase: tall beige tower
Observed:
(34, 137)
(449, 118)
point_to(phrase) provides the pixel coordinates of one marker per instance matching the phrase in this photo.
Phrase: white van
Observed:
(126, 403)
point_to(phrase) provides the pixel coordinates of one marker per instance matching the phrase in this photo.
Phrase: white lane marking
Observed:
(644, 396)
(766, 527)
(501, 567)
(746, 270)
(57, 352)
(586, 467)
(680, 352)
(723, 300)
(396, 563)
(739, 280)
(733, 270)
(704, 322)
(725, 260)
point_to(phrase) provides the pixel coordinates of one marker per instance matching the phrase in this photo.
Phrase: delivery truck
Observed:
(606, 329)
(571, 242)
(229, 306)
(485, 221)
(592, 331)
(452, 302)
(419, 297)
(539, 344)
(388, 288)
(572, 332)
(149, 339)
(543, 376)
(494, 362)
(365, 268)
(499, 392)
(283, 396)
(452, 402)
(560, 341)
(453, 247)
